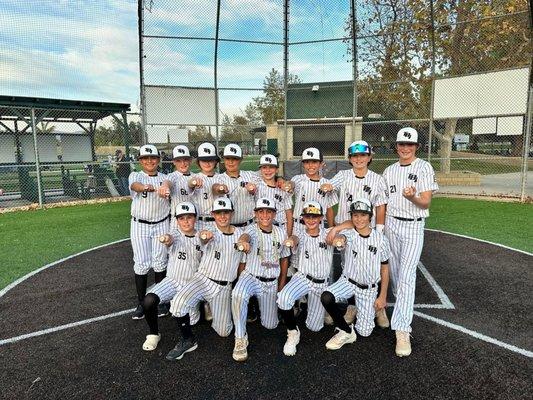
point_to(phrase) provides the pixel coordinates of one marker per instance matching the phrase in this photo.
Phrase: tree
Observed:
(200, 134)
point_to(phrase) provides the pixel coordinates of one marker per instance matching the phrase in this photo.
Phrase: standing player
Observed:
(410, 184)
(314, 267)
(239, 186)
(149, 219)
(218, 269)
(264, 275)
(177, 185)
(365, 265)
(269, 187)
(183, 262)
(359, 182)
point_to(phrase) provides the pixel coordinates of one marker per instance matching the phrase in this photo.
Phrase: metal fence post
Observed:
(37, 163)
(354, 63)
(527, 139)
(432, 102)
(285, 73)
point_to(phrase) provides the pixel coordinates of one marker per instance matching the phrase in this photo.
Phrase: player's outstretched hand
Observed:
(163, 191)
(339, 241)
(287, 186)
(243, 246)
(326, 187)
(251, 188)
(331, 235)
(289, 243)
(380, 303)
(195, 183)
(166, 239)
(220, 188)
(148, 188)
(206, 235)
(409, 192)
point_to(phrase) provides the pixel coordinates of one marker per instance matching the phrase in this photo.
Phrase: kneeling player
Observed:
(366, 264)
(183, 262)
(264, 275)
(314, 267)
(212, 282)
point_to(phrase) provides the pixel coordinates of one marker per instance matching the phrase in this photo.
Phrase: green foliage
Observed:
(114, 135)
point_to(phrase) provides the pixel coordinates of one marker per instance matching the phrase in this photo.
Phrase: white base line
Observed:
(442, 296)
(22, 279)
(63, 327)
(475, 334)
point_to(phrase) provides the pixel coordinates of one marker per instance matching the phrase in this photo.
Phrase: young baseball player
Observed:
(410, 185)
(269, 187)
(315, 257)
(184, 259)
(359, 182)
(366, 264)
(212, 282)
(264, 275)
(177, 185)
(239, 186)
(150, 215)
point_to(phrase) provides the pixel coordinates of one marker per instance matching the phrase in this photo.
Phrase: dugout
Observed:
(30, 153)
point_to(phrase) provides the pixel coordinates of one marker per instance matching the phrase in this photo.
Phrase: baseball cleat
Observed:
(351, 313)
(207, 312)
(381, 319)
(138, 313)
(341, 338)
(240, 351)
(182, 347)
(293, 338)
(151, 342)
(163, 309)
(403, 344)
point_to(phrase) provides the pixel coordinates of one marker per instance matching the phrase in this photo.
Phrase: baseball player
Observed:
(314, 267)
(410, 185)
(150, 215)
(239, 186)
(212, 282)
(265, 273)
(184, 259)
(366, 264)
(177, 185)
(269, 187)
(350, 184)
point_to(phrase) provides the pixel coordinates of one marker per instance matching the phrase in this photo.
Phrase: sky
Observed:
(88, 49)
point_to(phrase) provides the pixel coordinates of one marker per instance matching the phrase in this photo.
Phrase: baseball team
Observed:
(239, 240)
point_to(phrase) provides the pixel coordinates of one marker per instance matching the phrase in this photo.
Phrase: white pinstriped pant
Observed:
(343, 289)
(298, 287)
(246, 287)
(406, 241)
(148, 251)
(167, 289)
(199, 288)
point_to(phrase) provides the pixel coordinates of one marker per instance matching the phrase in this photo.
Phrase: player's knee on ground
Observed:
(285, 300)
(327, 299)
(150, 301)
(363, 332)
(159, 266)
(223, 331)
(269, 323)
(141, 268)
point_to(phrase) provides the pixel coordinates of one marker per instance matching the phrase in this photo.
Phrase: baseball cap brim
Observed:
(406, 142)
(209, 158)
(149, 155)
(264, 208)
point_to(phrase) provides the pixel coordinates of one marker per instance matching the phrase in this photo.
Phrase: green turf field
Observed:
(32, 239)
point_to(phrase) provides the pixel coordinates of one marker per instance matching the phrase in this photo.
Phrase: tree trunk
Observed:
(445, 147)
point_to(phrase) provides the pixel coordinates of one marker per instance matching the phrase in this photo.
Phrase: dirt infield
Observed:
(471, 338)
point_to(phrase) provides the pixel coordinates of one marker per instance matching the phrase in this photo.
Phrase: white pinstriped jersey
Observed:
(350, 187)
(243, 202)
(148, 206)
(184, 256)
(266, 249)
(282, 199)
(306, 189)
(363, 256)
(179, 189)
(220, 259)
(202, 198)
(397, 177)
(315, 257)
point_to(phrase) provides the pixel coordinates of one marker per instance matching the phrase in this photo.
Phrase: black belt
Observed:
(278, 223)
(408, 219)
(360, 286)
(222, 283)
(142, 221)
(206, 219)
(263, 279)
(315, 280)
(243, 224)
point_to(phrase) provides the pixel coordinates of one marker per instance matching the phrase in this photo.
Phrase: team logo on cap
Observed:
(310, 153)
(207, 150)
(407, 135)
(221, 203)
(266, 202)
(181, 151)
(148, 150)
(233, 150)
(268, 159)
(185, 207)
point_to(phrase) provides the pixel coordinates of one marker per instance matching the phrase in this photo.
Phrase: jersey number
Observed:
(303, 197)
(306, 254)
(205, 196)
(393, 189)
(217, 255)
(354, 254)
(182, 255)
(144, 195)
(183, 192)
(349, 197)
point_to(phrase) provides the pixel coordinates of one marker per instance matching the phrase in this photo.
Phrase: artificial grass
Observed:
(32, 239)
